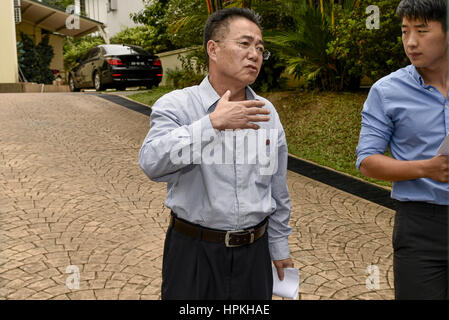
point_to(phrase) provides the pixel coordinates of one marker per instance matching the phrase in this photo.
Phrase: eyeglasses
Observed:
(245, 45)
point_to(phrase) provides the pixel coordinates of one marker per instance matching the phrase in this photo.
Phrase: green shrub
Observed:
(180, 78)
(327, 44)
(368, 52)
(192, 72)
(34, 60)
(303, 43)
(77, 49)
(142, 36)
(270, 74)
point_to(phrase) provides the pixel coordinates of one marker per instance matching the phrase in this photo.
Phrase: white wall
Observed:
(114, 20)
(120, 18)
(97, 10)
(170, 61)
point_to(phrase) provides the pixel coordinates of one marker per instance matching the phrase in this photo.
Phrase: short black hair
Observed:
(218, 23)
(427, 10)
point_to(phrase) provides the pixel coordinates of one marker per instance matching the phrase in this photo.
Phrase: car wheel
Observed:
(99, 86)
(72, 85)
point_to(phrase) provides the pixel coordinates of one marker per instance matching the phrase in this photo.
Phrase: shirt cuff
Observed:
(206, 124)
(360, 159)
(279, 250)
(202, 131)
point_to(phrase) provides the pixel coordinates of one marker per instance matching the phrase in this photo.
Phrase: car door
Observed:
(78, 72)
(81, 72)
(92, 65)
(86, 69)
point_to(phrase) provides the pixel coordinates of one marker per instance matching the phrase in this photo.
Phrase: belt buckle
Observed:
(228, 237)
(229, 233)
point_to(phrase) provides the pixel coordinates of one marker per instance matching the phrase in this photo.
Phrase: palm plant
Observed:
(304, 46)
(188, 17)
(215, 5)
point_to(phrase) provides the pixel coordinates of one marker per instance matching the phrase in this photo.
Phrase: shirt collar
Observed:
(250, 94)
(210, 97)
(415, 74)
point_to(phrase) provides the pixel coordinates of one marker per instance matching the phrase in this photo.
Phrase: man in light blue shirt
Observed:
(408, 113)
(222, 151)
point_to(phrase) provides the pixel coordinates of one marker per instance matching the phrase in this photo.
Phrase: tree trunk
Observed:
(218, 5)
(214, 5)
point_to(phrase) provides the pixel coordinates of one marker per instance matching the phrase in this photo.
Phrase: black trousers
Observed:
(420, 243)
(195, 269)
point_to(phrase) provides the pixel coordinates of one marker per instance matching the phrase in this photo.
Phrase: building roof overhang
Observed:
(57, 20)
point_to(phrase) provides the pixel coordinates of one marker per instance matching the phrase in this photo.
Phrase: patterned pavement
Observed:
(74, 202)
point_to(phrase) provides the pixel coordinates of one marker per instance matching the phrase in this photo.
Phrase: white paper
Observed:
(444, 147)
(289, 287)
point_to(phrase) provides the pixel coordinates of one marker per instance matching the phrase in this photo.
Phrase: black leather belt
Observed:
(418, 205)
(233, 238)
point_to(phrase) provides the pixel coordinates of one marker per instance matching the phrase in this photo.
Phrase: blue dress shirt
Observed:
(410, 118)
(232, 193)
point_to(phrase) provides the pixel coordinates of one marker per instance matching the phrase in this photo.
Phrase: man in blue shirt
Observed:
(408, 112)
(222, 151)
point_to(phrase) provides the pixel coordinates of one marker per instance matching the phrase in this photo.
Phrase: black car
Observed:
(116, 66)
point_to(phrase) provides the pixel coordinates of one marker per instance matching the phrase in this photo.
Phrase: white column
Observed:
(9, 68)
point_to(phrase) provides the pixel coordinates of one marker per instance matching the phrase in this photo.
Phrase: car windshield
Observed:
(120, 49)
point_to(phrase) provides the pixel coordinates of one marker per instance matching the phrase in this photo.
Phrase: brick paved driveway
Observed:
(72, 194)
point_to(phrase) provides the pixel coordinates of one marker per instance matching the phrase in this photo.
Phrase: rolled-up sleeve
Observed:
(278, 228)
(376, 128)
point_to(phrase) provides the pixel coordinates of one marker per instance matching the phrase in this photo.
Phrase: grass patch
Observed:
(322, 127)
(150, 97)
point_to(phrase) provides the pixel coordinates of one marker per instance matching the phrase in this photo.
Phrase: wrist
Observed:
(216, 124)
(422, 168)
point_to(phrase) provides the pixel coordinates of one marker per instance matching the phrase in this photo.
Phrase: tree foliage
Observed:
(329, 46)
(370, 52)
(154, 17)
(186, 21)
(142, 36)
(303, 44)
(323, 42)
(62, 4)
(176, 23)
(77, 49)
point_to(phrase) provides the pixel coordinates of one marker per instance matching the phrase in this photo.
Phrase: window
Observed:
(123, 49)
(93, 53)
(17, 12)
(112, 5)
(83, 7)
